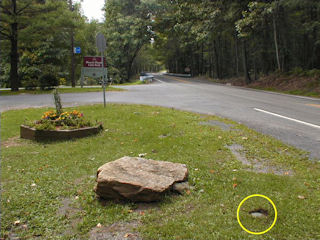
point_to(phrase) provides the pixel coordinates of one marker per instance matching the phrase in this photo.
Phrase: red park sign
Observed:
(93, 62)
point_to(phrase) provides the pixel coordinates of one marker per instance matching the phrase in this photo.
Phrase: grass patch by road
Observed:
(61, 90)
(133, 82)
(39, 178)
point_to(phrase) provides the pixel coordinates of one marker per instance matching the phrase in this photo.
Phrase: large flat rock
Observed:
(138, 179)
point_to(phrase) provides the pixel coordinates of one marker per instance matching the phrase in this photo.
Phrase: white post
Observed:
(103, 81)
(101, 45)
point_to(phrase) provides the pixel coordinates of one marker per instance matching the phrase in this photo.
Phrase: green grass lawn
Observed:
(61, 90)
(48, 187)
(133, 82)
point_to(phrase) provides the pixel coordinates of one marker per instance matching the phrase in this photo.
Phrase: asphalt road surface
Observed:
(294, 120)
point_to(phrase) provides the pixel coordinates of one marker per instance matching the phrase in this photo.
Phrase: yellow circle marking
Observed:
(275, 214)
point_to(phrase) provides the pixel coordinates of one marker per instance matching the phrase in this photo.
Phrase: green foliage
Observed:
(48, 80)
(29, 77)
(44, 125)
(42, 37)
(215, 38)
(147, 60)
(4, 72)
(127, 30)
(230, 38)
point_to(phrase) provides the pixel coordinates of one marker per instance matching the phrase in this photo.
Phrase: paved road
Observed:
(294, 120)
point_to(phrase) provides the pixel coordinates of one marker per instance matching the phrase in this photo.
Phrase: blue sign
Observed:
(77, 50)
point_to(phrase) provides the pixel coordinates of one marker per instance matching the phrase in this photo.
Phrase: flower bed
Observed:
(63, 126)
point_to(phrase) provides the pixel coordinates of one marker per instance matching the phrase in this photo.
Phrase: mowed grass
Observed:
(132, 82)
(37, 177)
(61, 90)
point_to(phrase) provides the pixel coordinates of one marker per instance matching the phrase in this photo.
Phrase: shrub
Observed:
(298, 71)
(313, 73)
(62, 81)
(4, 73)
(48, 80)
(29, 77)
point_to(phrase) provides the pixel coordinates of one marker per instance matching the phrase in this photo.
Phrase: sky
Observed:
(92, 9)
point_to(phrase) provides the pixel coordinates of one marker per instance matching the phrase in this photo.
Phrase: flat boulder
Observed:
(138, 179)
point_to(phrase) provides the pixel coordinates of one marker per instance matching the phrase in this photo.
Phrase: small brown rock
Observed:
(181, 187)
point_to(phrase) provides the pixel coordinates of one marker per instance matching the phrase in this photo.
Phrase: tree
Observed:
(127, 30)
(15, 16)
(40, 44)
(213, 37)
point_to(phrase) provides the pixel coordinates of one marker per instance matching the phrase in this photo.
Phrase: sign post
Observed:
(92, 67)
(77, 50)
(101, 45)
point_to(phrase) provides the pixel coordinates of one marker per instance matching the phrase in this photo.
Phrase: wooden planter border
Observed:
(56, 135)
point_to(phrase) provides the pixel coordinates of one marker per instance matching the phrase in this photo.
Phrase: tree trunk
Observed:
(265, 60)
(275, 35)
(216, 60)
(245, 63)
(237, 57)
(177, 66)
(202, 60)
(255, 69)
(14, 57)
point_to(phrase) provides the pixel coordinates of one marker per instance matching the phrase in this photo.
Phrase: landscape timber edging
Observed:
(56, 135)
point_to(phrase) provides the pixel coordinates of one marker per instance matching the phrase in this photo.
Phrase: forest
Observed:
(220, 39)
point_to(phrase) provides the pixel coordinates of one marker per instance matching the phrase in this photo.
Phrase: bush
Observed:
(313, 73)
(62, 81)
(91, 81)
(48, 80)
(29, 77)
(298, 71)
(30, 83)
(4, 74)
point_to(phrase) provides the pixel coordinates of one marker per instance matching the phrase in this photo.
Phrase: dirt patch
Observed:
(69, 212)
(116, 231)
(66, 209)
(145, 207)
(14, 232)
(289, 83)
(12, 236)
(256, 165)
(12, 142)
(80, 180)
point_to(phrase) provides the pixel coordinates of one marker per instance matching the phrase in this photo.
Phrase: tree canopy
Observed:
(231, 38)
(220, 38)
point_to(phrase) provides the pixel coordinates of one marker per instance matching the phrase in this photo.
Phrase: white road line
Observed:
(159, 80)
(291, 119)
